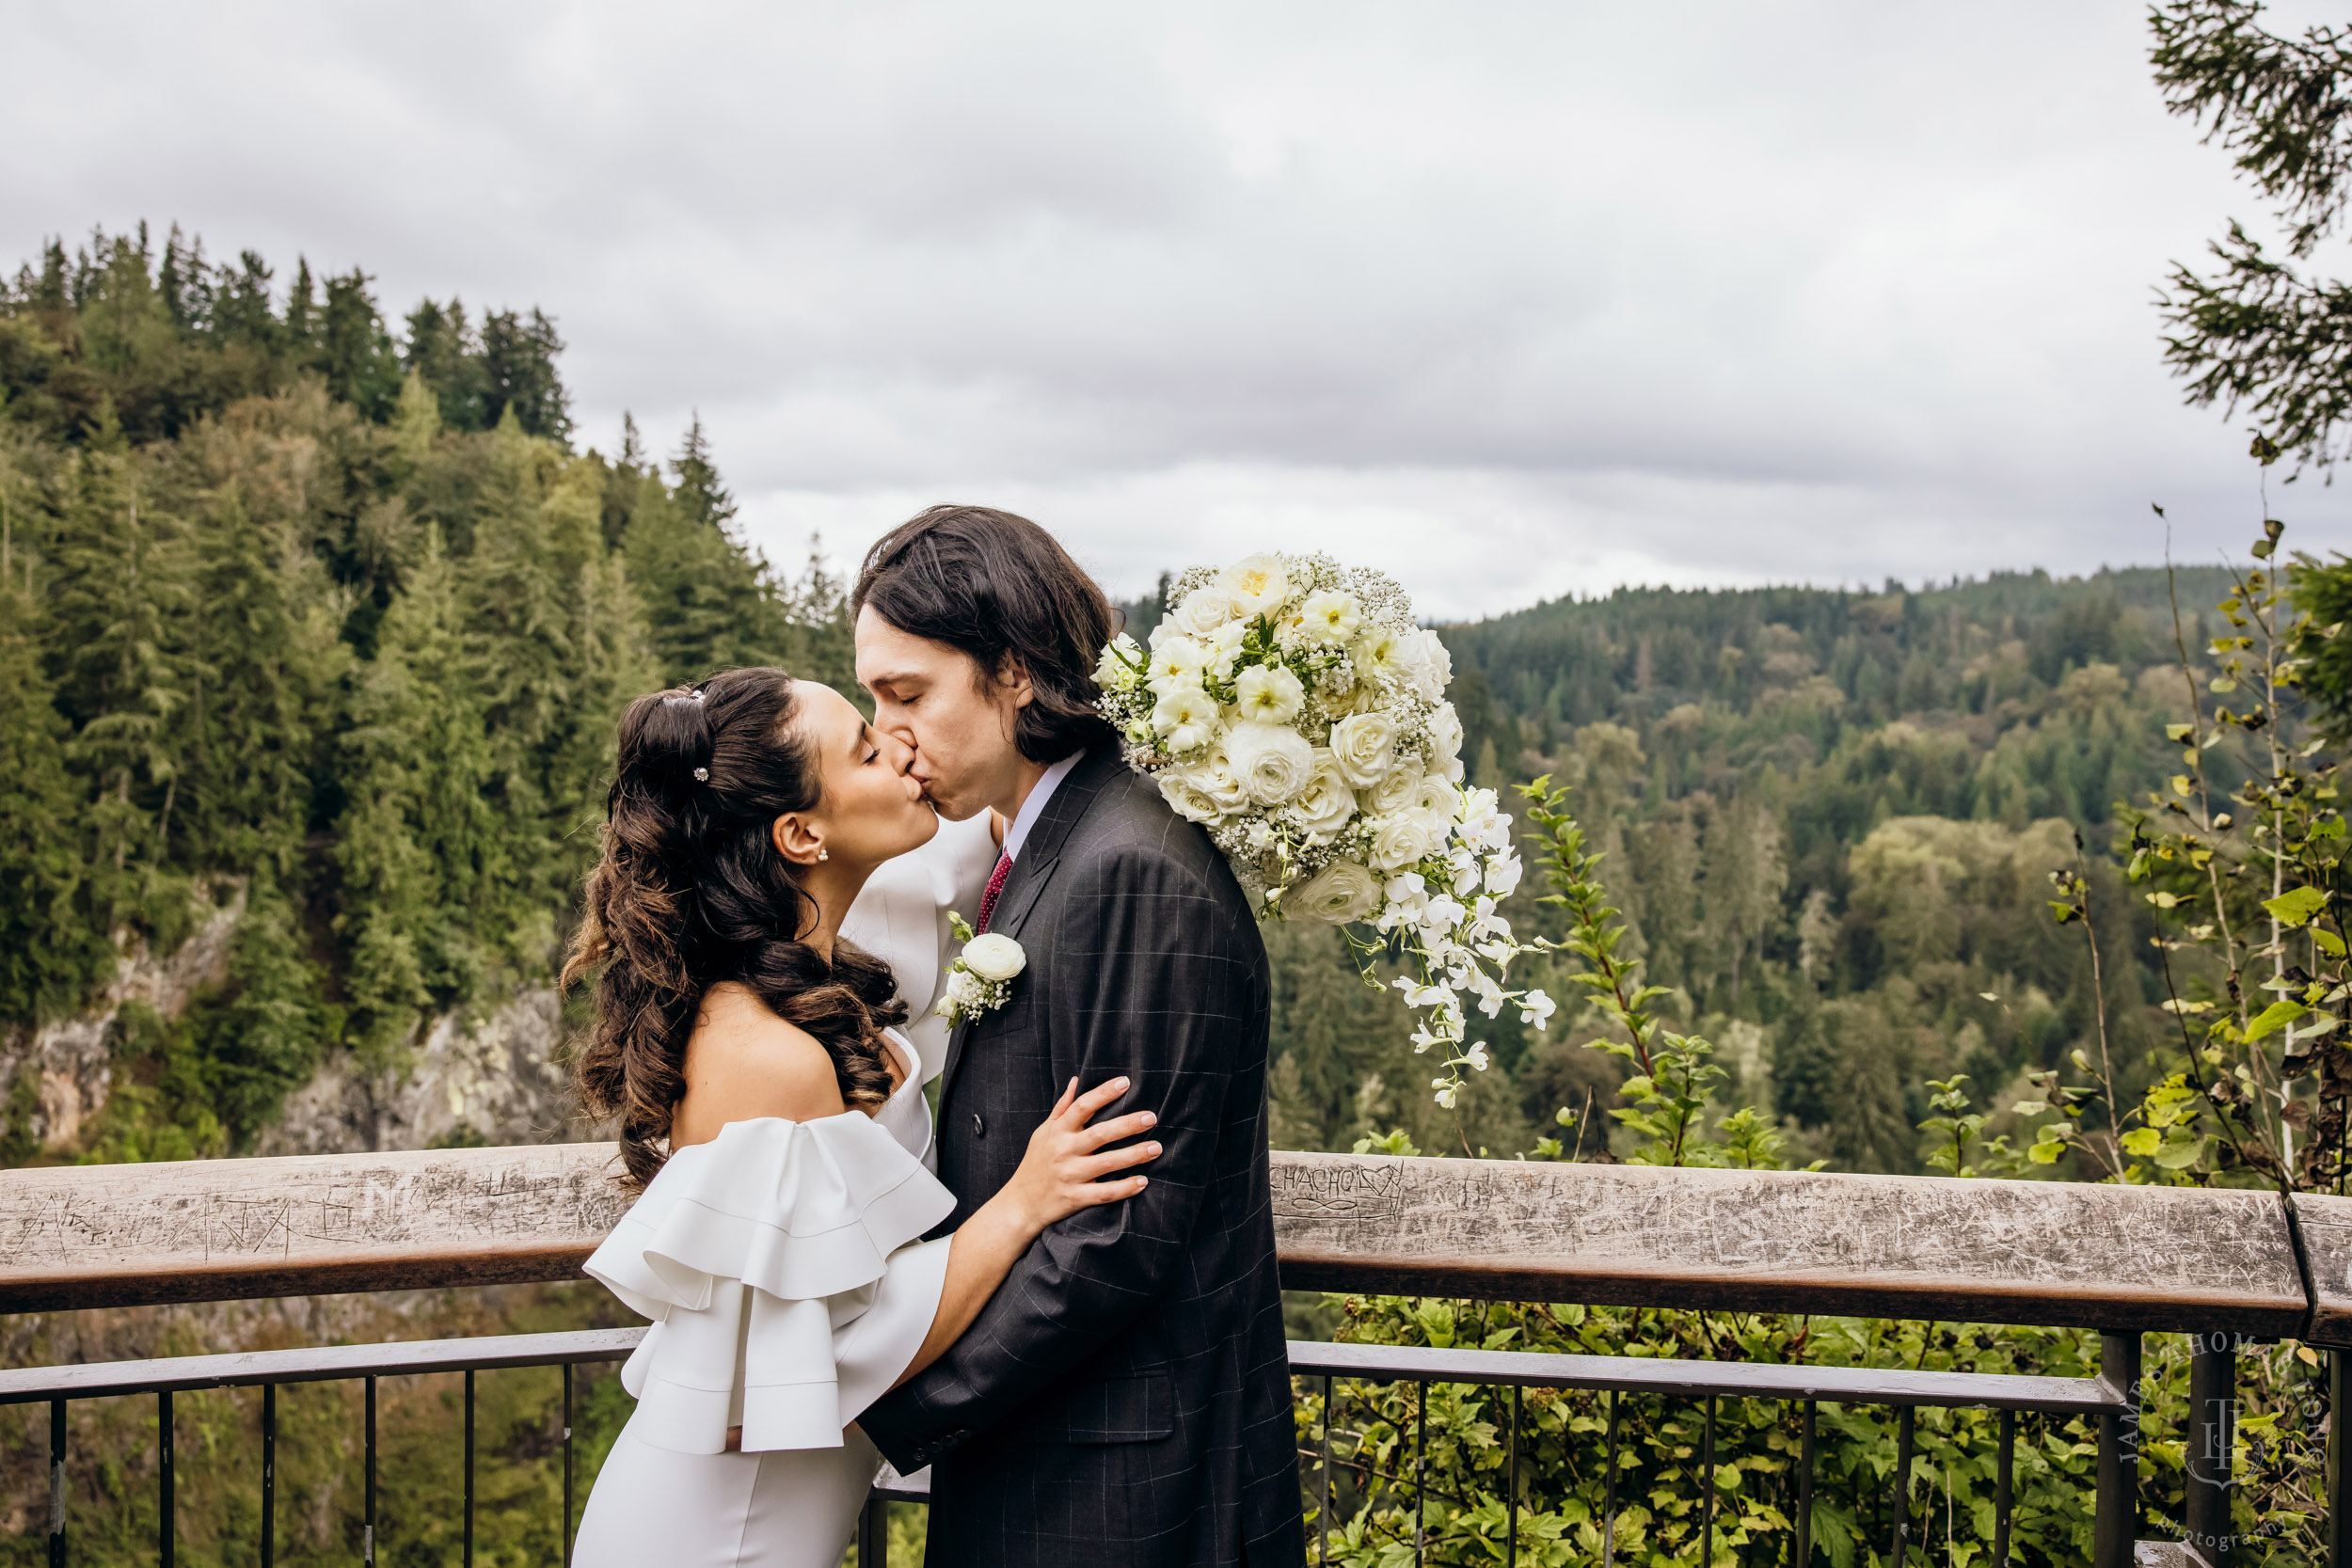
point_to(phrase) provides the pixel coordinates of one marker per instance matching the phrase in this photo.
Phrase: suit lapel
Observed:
(1040, 854)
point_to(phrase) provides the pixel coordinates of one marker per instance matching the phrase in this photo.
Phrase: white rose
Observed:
(1399, 791)
(1271, 760)
(993, 956)
(1327, 619)
(1445, 742)
(1187, 799)
(1327, 804)
(1433, 665)
(1398, 840)
(1340, 891)
(1360, 744)
(1216, 778)
(1186, 718)
(1438, 802)
(1113, 673)
(1257, 586)
(1202, 610)
(1176, 661)
(1268, 694)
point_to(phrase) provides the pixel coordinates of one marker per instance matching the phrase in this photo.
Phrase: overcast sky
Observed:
(1513, 300)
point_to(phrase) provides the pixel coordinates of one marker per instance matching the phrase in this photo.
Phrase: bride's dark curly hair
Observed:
(690, 892)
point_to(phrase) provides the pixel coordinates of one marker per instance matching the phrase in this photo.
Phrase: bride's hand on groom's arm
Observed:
(1064, 1169)
(1062, 1173)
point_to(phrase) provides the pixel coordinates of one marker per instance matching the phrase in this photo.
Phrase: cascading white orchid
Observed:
(1292, 706)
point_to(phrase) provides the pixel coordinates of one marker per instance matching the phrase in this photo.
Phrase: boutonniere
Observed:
(980, 979)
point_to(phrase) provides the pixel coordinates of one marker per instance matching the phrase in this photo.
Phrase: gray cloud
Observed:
(1512, 300)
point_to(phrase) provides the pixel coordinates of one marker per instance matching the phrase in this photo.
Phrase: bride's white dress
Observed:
(782, 1266)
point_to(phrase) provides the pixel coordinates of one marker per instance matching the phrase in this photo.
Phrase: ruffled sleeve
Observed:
(760, 1255)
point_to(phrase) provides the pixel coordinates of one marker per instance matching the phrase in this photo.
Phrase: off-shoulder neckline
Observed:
(910, 1080)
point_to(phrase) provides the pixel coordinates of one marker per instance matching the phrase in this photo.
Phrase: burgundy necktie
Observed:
(995, 886)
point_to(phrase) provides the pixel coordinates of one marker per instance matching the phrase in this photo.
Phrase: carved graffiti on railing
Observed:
(2131, 1258)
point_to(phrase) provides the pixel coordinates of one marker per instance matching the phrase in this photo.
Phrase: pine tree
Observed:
(700, 494)
(51, 952)
(118, 594)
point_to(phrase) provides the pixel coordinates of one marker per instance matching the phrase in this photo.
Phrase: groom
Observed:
(1125, 1396)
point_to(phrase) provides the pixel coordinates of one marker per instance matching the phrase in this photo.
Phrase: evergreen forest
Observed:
(314, 626)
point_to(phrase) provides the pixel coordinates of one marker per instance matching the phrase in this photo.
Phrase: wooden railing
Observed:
(2222, 1265)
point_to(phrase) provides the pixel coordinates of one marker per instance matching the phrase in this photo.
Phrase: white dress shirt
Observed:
(1033, 807)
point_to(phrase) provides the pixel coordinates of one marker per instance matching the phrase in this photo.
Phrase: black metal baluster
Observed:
(2116, 1525)
(1420, 1472)
(1707, 1494)
(873, 1534)
(269, 1474)
(1511, 1540)
(56, 1483)
(2004, 1486)
(567, 1464)
(1801, 1550)
(2212, 1399)
(367, 1537)
(470, 1468)
(1903, 1484)
(1609, 1492)
(165, 1481)
(2338, 1527)
(1322, 1546)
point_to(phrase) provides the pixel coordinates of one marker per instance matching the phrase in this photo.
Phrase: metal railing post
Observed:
(2212, 1433)
(2338, 1528)
(2116, 1528)
(165, 1504)
(56, 1483)
(873, 1534)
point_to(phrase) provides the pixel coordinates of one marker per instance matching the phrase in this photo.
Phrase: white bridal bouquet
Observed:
(1292, 706)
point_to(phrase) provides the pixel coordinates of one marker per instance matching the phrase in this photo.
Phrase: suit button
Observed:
(979, 1128)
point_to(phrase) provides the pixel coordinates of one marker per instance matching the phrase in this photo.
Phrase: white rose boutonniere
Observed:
(980, 979)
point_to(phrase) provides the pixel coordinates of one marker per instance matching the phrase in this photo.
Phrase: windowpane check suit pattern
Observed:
(1124, 1397)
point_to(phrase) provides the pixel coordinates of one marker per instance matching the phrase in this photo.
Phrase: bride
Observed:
(773, 1119)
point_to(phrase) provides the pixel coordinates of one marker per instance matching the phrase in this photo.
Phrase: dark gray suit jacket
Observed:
(1125, 1396)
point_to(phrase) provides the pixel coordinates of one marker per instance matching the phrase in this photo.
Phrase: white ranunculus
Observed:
(1187, 799)
(1445, 742)
(1433, 666)
(1340, 891)
(1176, 661)
(1375, 654)
(1257, 585)
(1268, 694)
(1271, 760)
(1214, 776)
(1328, 619)
(994, 957)
(1327, 804)
(1398, 840)
(1362, 745)
(1399, 791)
(1186, 718)
(1202, 610)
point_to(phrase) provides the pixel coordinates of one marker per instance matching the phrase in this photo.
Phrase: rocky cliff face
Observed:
(494, 1078)
(72, 1059)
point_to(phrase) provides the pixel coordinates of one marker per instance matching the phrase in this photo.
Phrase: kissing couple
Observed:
(1062, 1299)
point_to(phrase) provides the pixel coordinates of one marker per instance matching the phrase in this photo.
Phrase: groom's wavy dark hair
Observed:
(998, 588)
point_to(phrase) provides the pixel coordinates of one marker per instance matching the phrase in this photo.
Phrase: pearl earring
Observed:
(821, 854)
